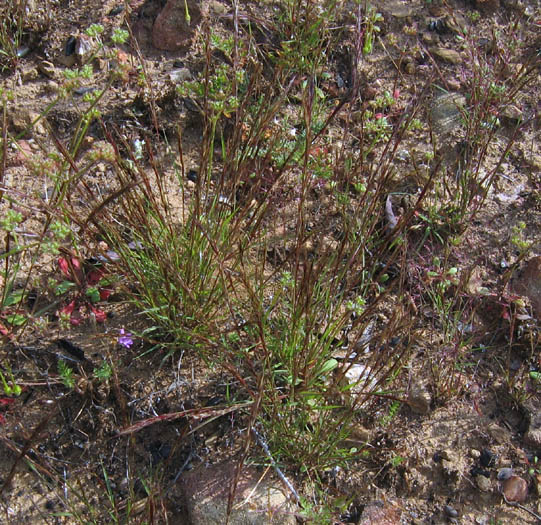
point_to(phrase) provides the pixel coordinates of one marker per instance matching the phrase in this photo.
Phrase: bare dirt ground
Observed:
(436, 460)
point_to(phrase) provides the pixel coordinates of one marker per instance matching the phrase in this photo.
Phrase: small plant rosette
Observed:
(91, 286)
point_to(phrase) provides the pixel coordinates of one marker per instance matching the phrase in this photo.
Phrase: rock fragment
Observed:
(528, 283)
(515, 489)
(419, 398)
(258, 502)
(447, 55)
(174, 27)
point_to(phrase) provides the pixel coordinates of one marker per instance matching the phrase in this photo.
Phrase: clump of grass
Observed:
(295, 328)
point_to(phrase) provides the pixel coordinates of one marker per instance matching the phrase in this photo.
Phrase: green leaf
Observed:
(64, 287)
(13, 298)
(93, 294)
(16, 319)
(330, 365)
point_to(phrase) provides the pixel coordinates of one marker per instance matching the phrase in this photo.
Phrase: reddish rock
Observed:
(257, 501)
(515, 489)
(528, 284)
(381, 513)
(22, 155)
(172, 31)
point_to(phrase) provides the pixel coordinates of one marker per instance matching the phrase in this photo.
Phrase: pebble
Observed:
(450, 512)
(180, 75)
(515, 489)
(447, 55)
(446, 112)
(69, 46)
(23, 153)
(419, 398)
(51, 87)
(402, 11)
(47, 68)
(409, 66)
(528, 283)
(83, 90)
(483, 483)
(217, 8)
(83, 48)
(505, 473)
(474, 453)
(487, 458)
(30, 74)
(533, 162)
(171, 31)
(116, 10)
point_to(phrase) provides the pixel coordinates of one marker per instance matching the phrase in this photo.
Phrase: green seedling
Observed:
(66, 374)
(372, 18)
(12, 389)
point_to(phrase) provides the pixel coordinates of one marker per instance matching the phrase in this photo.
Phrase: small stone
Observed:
(47, 69)
(83, 48)
(487, 458)
(505, 473)
(528, 283)
(453, 84)
(533, 415)
(447, 55)
(402, 11)
(67, 61)
(381, 513)
(358, 375)
(172, 30)
(533, 162)
(474, 453)
(22, 155)
(515, 489)
(69, 46)
(450, 512)
(261, 502)
(512, 115)
(51, 87)
(408, 66)
(180, 75)
(446, 112)
(29, 74)
(499, 434)
(419, 398)
(429, 38)
(217, 8)
(483, 483)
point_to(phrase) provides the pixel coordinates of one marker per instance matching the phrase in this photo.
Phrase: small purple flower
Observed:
(125, 338)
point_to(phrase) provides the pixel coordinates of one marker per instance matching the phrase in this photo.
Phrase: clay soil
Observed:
(60, 451)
